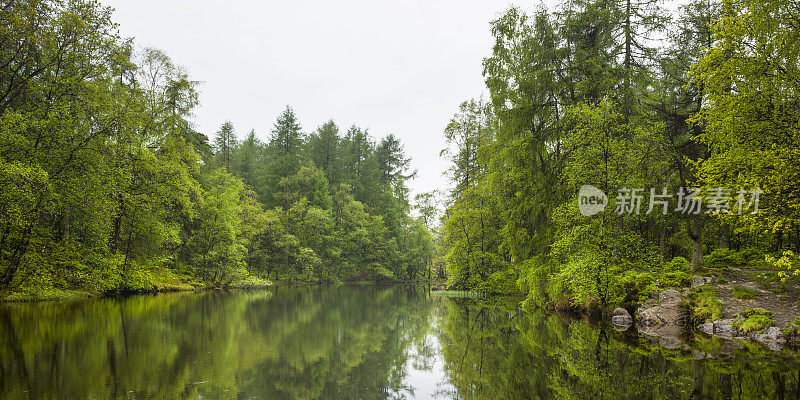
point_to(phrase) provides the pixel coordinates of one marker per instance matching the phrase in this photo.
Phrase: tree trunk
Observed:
(695, 231)
(724, 240)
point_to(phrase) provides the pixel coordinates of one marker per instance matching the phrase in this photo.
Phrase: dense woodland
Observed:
(107, 186)
(619, 95)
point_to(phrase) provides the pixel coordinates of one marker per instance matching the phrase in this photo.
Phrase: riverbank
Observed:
(50, 293)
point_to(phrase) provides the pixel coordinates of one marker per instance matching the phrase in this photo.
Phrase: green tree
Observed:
(225, 143)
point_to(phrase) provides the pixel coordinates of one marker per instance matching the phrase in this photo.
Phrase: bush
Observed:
(676, 279)
(722, 258)
(703, 305)
(251, 282)
(792, 330)
(753, 320)
(744, 293)
(632, 288)
(752, 255)
(677, 264)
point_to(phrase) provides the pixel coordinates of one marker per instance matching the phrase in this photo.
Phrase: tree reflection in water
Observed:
(353, 342)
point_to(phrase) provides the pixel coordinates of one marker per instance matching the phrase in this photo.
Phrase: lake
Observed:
(357, 342)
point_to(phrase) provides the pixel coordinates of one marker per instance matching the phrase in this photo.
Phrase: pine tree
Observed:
(225, 143)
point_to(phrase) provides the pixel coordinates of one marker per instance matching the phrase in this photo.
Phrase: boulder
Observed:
(772, 334)
(664, 318)
(653, 316)
(621, 328)
(669, 297)
(621, 317)
(707, 328)
(723, 328)
(698, 281)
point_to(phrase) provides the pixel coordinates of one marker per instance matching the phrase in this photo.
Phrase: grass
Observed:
(792, 330)
(744, 293)
(675, 279)
(251, 282)
(764, 277)
(753, 320)
(459, 293)
(703, 304)
(142, 280)
(45, 294)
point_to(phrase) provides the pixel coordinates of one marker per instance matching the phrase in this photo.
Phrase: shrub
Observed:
(676, 279)
(744, 293)
(751, 255)
(677, 264)
(632, 288)
(722, 258)
(792, 330)
(703, 305)
(753, 320)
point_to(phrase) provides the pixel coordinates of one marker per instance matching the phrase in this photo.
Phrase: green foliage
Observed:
(703, 305)
(108, 188)
(744, 293)
(677, 264)
(792, 330)
(632, 288)
(676, 279)
(472, 294)
(724, 258)
(786, 264)
(503, 282)
(753, 320)
(576, 97)
(751, 131)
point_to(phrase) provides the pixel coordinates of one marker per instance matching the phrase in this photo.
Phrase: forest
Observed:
(697, 103)
(107, 187)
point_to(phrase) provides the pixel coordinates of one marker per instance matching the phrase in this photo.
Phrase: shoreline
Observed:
(67, 295)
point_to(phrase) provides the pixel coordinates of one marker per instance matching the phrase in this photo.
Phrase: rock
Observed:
(772, 334)
(669, 297)
(698, 281)
(666, 311)
(650, 316)
(707, 328)
(664, 319)
(723, 328)
(621, 328)
(621, 317)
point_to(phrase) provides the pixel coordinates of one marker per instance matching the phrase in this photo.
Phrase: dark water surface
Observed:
(355, 342)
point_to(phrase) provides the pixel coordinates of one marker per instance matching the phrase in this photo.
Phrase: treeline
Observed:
(623, 95)
(107, 186)
(336, 204)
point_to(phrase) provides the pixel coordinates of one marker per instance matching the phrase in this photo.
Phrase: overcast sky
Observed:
(397, 67)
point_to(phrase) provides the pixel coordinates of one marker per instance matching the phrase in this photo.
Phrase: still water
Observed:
(355, 342)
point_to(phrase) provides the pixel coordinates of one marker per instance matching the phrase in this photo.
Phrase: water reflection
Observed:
(352, 342)
(498, 352)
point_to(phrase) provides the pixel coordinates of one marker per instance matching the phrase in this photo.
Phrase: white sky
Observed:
(399, 67)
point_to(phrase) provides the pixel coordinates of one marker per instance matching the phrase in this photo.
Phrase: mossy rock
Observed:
(753, 320)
